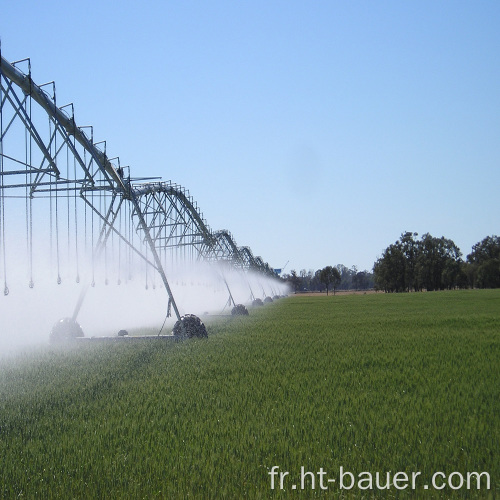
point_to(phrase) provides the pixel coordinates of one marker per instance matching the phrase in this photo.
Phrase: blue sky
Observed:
(316, 132)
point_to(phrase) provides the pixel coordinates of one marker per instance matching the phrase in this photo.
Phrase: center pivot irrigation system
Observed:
(63, 200)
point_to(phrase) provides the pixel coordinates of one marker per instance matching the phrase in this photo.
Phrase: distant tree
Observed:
(488, 274)
(454, 274)
(336, 279)
(409, 246)
(389, 270)
(470, 270)
(311, 280)
(488, 248)
(306, 279)
(431, 263)
(354, 277)
(438, 260)
(483, 263)
(330, 276)
(362, 280)
(294, 280)
(316, 281)
(345, 277)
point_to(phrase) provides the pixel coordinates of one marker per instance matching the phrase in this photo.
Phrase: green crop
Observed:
(375, 382)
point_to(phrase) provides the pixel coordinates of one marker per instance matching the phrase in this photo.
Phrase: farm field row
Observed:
(376, 382)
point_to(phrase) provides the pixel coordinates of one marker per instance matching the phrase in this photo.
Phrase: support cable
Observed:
(147, 266)
(131, 239)
(59, 280)
(28, 181)
(120, 228)
(67, 207)
(31, 283)
(26, 195)
(85, 221)
(106, 281)
(112, 248)
(92, 233)
(2, 204)
(169, 313)
(76, 222)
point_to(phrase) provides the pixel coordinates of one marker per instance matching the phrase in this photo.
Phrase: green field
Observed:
(376, 383)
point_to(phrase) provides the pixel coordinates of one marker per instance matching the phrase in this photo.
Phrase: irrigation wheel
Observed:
(66, 329)
(239, 310)
(189, 326)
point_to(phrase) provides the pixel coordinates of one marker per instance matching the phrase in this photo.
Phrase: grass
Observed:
(381, 382)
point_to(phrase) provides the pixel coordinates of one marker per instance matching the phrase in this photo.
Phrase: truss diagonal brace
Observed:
(142, 222)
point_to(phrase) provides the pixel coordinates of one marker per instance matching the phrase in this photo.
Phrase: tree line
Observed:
(334, 278)
(411, 264)
(431, 263)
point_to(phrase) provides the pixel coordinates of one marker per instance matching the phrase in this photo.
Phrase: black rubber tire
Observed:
(239, 310)
(66, 329)
(189, 326)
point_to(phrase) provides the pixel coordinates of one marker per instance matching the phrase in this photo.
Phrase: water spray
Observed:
(33, 169)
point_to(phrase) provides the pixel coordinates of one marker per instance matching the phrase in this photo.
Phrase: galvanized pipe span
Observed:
(29, 87)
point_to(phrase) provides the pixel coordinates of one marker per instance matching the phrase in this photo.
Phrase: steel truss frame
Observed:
(169, 222)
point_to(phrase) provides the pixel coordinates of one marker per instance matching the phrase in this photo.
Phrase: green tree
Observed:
(431, 263)
(389, 270)
(438, 263)
(488, 248)
(330, 276)
(294, 279)
(318, 284)
(345, 275)
(483, 263)
(488, 274)
(409, 247)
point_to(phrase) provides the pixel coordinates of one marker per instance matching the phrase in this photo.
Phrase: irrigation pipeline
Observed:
(81, 196)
